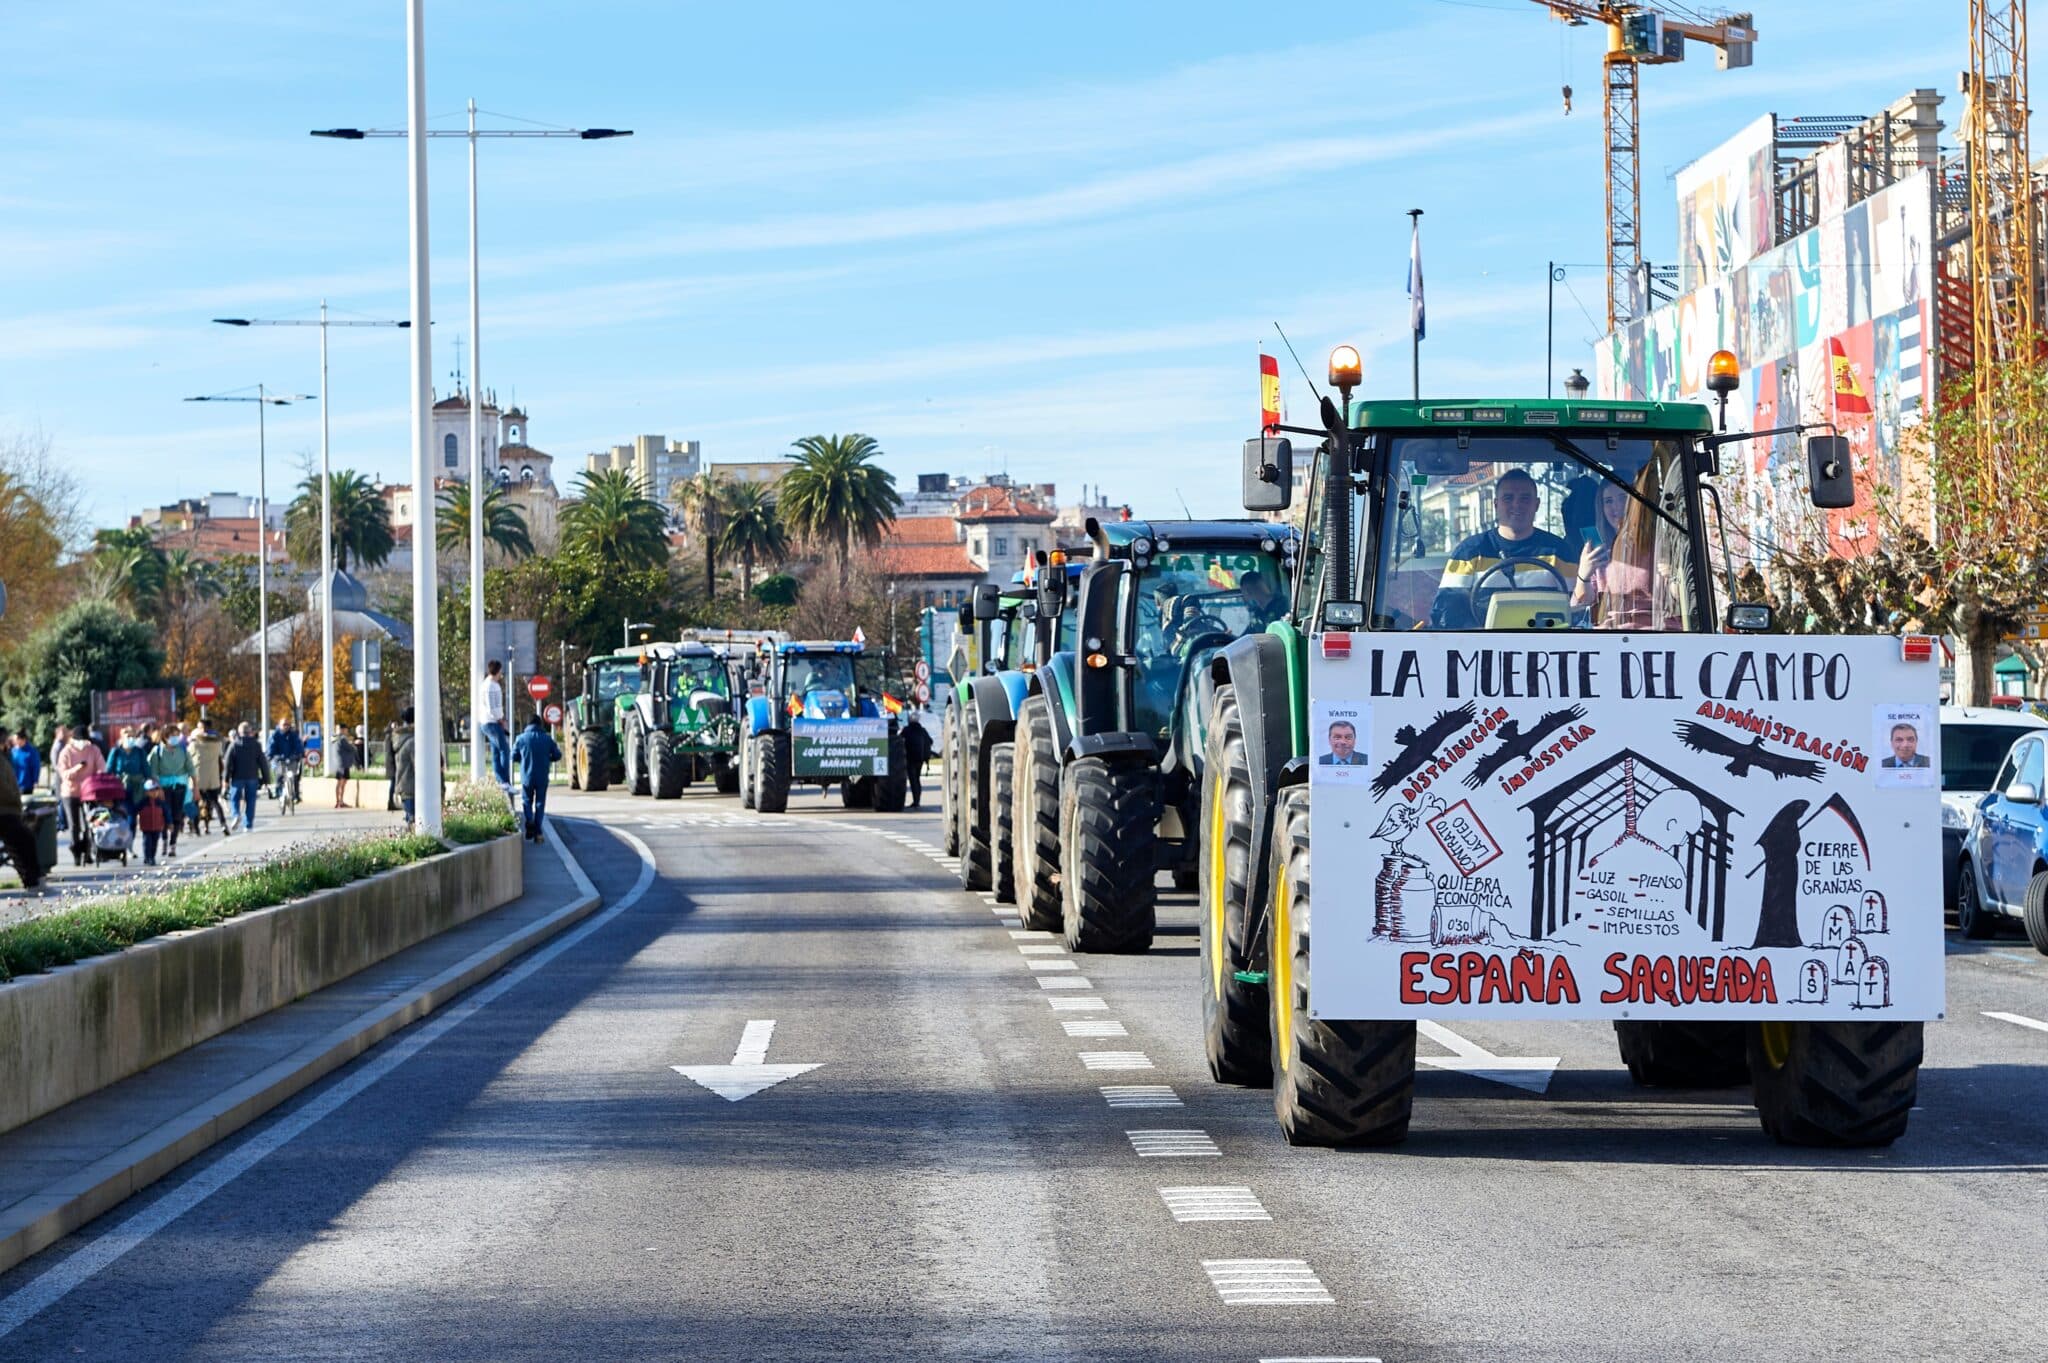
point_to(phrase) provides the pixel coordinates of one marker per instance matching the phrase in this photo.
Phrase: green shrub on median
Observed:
(476, 811)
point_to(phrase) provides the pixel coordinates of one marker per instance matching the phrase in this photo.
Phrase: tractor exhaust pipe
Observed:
(1101, 541)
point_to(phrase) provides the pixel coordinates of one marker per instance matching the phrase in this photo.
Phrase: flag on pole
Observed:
(860, 636)
(1269, 392)
(1416, 320)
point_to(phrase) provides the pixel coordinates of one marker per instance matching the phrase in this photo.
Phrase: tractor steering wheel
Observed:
(1506, 569)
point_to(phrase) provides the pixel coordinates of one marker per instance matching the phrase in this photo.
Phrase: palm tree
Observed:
(189, 580)
(836, 496)
(753, 530)
(362, 522)
(613, 520)
(504, 522)
(128, 567)
(703, 499)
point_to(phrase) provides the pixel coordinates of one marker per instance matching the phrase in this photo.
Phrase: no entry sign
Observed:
(204, 690)
(538, 687)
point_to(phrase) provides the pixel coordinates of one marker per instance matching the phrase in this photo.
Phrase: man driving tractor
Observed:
(1514, 539)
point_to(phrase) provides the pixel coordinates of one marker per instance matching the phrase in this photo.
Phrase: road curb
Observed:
(36, 1223)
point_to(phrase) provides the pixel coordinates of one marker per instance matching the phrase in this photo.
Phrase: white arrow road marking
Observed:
(2016, 1020)
(1531, 1072)
(749, 1073)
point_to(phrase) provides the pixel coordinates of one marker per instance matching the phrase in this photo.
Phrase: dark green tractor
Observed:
(610, 682)
(681, 726)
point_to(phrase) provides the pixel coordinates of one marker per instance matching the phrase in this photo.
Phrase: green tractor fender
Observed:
(1054, 679)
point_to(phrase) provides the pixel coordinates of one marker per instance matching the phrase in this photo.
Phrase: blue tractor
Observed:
(823, 718)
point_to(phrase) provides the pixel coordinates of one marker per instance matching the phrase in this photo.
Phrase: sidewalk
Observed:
(197, 855)
(61, 1171)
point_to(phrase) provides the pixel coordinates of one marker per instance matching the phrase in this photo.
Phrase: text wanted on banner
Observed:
(1626, 826)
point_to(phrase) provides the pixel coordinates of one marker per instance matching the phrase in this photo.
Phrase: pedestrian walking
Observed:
(57, 743)
(245, 769)
(27, 762)
(208, 749)
(402, 784)
(535, 754)
(170, 764)
(495, 732)
(152, 818)
(917, 750)
(81, 758)
(130, 761)
(346, 760)
(15, 834)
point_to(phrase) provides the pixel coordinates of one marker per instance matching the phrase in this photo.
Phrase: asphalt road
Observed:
(951, 1181)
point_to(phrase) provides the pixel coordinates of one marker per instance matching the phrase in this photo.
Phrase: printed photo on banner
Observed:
(1342, 742)
(1905, 736)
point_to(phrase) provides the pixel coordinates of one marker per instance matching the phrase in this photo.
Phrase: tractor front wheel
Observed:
(857, 792)
(1035, 822)
(974, 813)
(1235, 1031)
(949, 779)
(1108, 826)
(1835, 1084)
(1002, 760)
(725, 774)
(771, 772)
(636, 762)
(668, 768)
(594, 756)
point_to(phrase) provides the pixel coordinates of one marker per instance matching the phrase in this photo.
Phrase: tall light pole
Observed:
(426, 620)
(262, 398)
(327, 744)
(477, 485)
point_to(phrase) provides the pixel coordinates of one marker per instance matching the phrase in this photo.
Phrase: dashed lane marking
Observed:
(1053, 965)
(1267, 1282)
(1074, 1003)
(1141, 1095)
(1215, 1203)
(1063, 982)
(1033, 935)
(1094, 1027)
(1042, 949)
(2016, 1020)
(1116, 1060)
(1184, 1143)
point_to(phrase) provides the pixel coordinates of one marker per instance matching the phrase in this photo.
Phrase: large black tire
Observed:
(975, 868)
(636, 762)
(1236, 1032)
(725, 774)
(1334, 1083)
(1002, 762)
(573, 760)
(1835, 1084)
(1973, 920)
(857, 792)
(593, 754)
(1684, 1054)
(668, 769)
(893, 787)
(771, 771)
(1108, 827)
(1035, 819)
(744, 760)
(949, 778)
(2037, 912)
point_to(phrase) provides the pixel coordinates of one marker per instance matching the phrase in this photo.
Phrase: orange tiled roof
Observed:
(923, 546)
(1000, 504)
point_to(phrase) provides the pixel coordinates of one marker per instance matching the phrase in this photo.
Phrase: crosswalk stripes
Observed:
(1116, 1060)
(1053, 965)
(1063, 982)
(1140, 1095)
(1076, 1003)
(1214, 1203)
(1041, 949)
(1267, 1282)
(1094, 1027)
(1174, 1143)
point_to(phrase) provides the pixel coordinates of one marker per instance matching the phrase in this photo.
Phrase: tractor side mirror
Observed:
(1827, 470)
(988, 601)
(967, 617)
(1268, 474)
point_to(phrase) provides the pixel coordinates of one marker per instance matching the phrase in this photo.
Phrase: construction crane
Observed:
(1637, 36)
(2002, 245)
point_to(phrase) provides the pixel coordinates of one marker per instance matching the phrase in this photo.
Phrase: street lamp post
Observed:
(477, 753)
(262, 398)
(327, 744)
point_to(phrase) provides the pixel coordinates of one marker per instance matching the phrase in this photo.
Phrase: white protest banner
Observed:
(839, 747)
(1625, 826)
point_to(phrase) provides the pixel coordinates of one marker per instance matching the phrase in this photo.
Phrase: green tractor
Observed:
(1508, 535)
(680, 726)
(1110, 737)
(991, 654)
(610, 683)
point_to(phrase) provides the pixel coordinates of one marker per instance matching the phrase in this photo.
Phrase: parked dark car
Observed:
(1974, 740)
(2004, 870)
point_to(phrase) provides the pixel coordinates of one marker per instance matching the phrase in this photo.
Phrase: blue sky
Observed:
(1050, 238)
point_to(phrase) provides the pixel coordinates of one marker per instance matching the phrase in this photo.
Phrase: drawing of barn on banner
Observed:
(1637, 814)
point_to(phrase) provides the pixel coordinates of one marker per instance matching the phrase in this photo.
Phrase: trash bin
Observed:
(41, 817)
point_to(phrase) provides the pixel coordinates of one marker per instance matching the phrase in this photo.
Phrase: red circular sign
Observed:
(554, 714)
(538, 687)
(204, 690)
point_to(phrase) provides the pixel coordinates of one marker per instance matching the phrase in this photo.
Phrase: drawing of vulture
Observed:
(1515, 744)
(1418, 748)
(1701, 738)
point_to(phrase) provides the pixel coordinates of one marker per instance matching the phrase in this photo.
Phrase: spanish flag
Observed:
(1850, 397)
(1221, 577)
(1269, 392)
(891, 704)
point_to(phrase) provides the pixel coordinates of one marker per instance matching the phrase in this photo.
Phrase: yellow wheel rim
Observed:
(1777, 1042)
(1219, 945)
(1280, 978)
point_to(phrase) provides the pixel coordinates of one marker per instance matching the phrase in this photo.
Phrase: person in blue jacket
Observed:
(535, 754)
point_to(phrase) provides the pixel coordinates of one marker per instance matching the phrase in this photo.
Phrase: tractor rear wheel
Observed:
(1334, 1083)
(667, 768)
(893, 786)
(744, 760)
(1835, 1084)
(594, 756)
(1235, 1030)
(1684, 1054)
(573, 761)
(771, 771)
(1108, 827)
(1035, 820)
(974, 820)
(857, 792)
(949, 779)
(725, 774)
(1002, 761)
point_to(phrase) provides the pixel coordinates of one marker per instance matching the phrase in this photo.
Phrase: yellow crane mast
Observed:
(2002, 243)
(1637, 36)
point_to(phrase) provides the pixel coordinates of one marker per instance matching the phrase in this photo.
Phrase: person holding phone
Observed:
(1612, 588)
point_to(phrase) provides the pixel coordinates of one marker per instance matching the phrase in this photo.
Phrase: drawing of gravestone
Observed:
(1813, 981)
(1874, 990)
(1876, 914)
(1849, 961)
(1838, 926)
